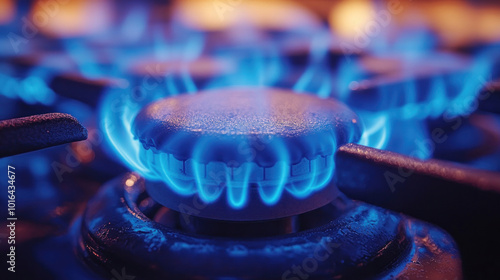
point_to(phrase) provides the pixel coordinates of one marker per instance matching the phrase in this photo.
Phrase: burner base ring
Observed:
(363, 241)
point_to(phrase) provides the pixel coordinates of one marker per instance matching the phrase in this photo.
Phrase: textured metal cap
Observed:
(228, 120)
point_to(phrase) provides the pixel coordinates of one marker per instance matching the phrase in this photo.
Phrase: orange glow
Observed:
(456, 22)
(349, 17)
(129, 182)
(7, 10)
(222, 15)
(488, 21)
(201, 15)
(83, 151)
(459, 23)
(71, 18)
(452, 20)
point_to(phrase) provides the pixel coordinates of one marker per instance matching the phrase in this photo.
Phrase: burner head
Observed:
(241, 141)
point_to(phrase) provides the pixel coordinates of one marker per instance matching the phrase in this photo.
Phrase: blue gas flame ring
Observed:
(256, 209)
(359, 242)
(235, 139)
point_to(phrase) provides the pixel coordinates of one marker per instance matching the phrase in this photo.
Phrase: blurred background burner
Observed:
(422, 77)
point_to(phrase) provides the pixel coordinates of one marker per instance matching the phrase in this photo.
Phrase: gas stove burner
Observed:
(263, 149)
(344, 239)
(247, 140)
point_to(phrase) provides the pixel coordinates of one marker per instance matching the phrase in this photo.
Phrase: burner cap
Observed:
(239, 138)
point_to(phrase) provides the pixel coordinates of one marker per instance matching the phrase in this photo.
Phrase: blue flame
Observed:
(376, 129)
(318, 52)
(399, 113)
(403, 102)
(31, 89)
(117, 116)
(211, 180)
(256, 67)
(417, 95)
